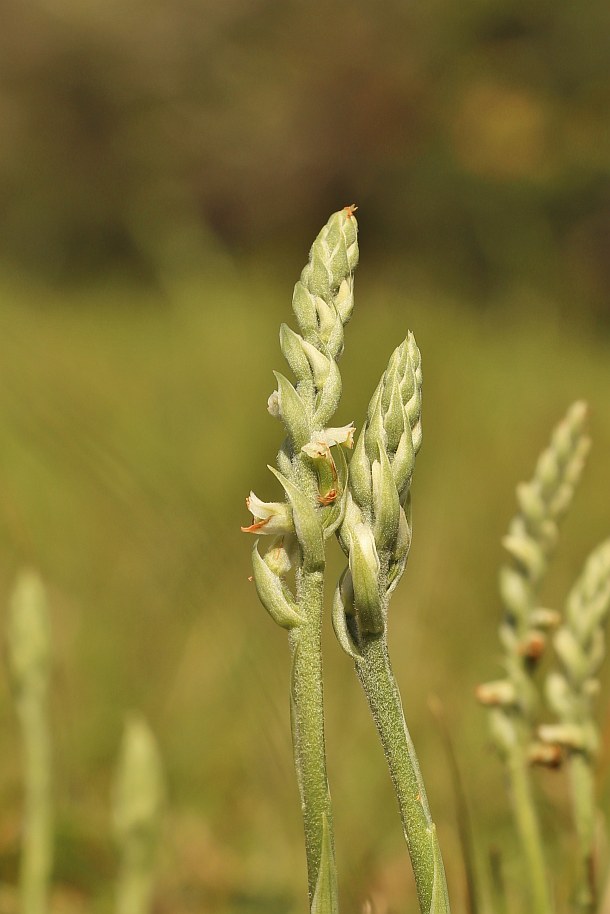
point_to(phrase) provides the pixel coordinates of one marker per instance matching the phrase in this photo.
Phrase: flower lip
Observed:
(269, 517)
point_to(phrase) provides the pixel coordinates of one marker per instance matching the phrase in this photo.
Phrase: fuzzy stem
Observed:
(377, 678)
(528, 829)
(37, 841)
(581, 784)
(307, 712)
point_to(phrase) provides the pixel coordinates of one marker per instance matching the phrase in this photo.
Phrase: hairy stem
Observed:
(307, 711)
(377, 678)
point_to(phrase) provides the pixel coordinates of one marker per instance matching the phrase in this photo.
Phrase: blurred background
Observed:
(164, 168)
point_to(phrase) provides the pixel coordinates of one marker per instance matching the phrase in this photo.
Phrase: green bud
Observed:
(398, 559)
(364, 567)
(342, 609)
(573, 657)
(320, 364)
(360, 478)
(386, 505)
(404, 462)
(329, 395)
(334, 343)
(278, 556)
(293, 351)
(530, 501)
(558, 695)
(344, 299)
(526, 551)
(374, 431)
(318, 275)
(292, 412)
(303, 305)
(394, 419)
(514, 590)
(272, 594)
(306, 524)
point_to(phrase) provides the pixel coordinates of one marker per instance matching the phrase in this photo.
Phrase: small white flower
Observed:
(269, 517)
(273, 404)
(343, 435)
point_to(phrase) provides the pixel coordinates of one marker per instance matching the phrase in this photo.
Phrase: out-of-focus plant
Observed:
(138, 790)
(514, 702)
(580, 645)
(29, 655)
(137, 806)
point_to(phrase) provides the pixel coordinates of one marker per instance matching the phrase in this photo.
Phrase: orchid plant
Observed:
(367, 505)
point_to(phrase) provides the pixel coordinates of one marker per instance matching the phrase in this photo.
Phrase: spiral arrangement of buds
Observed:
(531, 541)
(580, 645)
(312, 470)
(376, 530)
(376, 537)
(513, 701)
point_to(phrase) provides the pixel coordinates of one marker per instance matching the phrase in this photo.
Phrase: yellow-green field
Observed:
(132, 425)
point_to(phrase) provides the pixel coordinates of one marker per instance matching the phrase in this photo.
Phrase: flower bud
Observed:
(364, 567)
(272, 594)
(386, 506)
(292, 346)
(303, 305)
(292, 411)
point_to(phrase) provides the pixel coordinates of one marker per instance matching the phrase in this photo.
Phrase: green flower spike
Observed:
(376, 536)
(513, 701)
(580, 645)
(312, 471)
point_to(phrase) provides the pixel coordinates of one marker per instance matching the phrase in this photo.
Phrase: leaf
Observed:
(325, 899)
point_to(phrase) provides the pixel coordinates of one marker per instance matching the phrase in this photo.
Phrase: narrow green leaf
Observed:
(325, 900)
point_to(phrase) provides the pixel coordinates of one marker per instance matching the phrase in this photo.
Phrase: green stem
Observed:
(37, 840)
(377, 678)
(307, 714)
(528, 829)
(135, 885)
(581, 783)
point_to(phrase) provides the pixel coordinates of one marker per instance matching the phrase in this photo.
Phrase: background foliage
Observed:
(163, 169)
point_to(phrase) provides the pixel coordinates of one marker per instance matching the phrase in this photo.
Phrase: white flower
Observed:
(343, 435)
(269, 517)
(273, 405)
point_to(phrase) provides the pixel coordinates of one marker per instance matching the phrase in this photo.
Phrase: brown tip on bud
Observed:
(532, 648)
(250, 578)
(350, 210)
(546, 755)
(500, 693)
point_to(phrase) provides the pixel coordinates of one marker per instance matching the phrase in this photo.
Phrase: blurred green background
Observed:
(164, 168)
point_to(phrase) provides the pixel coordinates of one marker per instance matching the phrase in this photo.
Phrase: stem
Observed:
(37, 842)
(375, 674)
(135, 885)
(307, 713)
(528, 829)
(581, 783)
